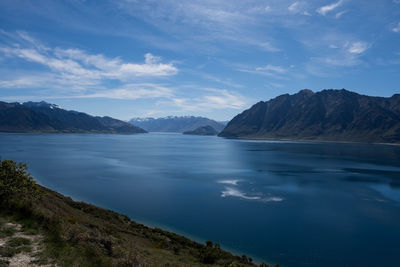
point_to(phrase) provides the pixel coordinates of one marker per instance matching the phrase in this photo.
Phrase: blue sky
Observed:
(133, 58)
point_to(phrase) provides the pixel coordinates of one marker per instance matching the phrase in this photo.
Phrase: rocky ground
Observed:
(19, 247)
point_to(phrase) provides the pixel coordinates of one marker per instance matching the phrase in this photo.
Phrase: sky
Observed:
(152, 58)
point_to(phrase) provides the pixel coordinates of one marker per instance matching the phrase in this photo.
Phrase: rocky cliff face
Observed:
(331, 115)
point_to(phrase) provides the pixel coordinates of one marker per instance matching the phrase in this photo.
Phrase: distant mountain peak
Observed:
(306, 91)
(175, 123)
(41, 104)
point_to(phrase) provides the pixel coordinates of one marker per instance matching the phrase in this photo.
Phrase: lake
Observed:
(293, 203)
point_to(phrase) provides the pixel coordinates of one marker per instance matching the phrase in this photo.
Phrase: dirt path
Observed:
(18, 249)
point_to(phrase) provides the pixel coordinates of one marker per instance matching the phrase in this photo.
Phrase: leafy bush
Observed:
(17, 187)
(210, 253)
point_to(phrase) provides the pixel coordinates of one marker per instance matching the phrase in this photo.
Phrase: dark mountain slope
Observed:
(331, 115)
(45, 117)
(175, 124)
(203, 130)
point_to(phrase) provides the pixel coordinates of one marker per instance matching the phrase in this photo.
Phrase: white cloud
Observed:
(80, 66)
(396, 28)
(340, 14)
(294, 8)
(210, 99)
(132, 92)
(358, 47)
(273, 71)
(298, 7)
(345, 56)
(339, 61)
(328, 8)
(273, 68)
(75, 73)
(269, 47)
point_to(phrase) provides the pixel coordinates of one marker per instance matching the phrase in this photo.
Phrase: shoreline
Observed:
(277, 140)
(309, 141)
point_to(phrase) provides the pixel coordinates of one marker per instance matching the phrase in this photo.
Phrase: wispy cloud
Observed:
(396, 28)
(298, 7)
(78, 64)
(273, 68)
(340, 14)
(208, 99)
(328, 8)
(204, 24)
(74, 73)
(294, 8)
(357, 47)
(75, 69)
(269, 47)
(273, 71)
(132, 92)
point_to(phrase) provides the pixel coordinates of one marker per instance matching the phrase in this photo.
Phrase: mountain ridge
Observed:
(43, 117)
(327, 115)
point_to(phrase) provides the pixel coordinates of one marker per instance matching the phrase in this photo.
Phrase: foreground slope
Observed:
(175, 124)
(329, 115)
(80, 234)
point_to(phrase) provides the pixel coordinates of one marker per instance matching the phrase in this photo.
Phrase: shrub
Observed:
(210, 253)
(17, 187)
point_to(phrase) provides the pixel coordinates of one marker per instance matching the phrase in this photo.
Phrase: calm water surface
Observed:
(298, 204)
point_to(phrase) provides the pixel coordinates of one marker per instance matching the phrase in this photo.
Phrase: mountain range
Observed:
(328, 115)
(31, 117)
(175, 124)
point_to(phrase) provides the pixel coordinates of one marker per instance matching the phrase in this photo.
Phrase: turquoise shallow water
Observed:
(298, 204)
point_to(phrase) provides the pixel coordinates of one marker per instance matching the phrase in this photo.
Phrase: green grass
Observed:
(18, 241)
(7, 231)
(15, 245)
(10, 251)
(4, 263)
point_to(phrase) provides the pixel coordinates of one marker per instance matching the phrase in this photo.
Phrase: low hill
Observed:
(329, 115)
(53, 230)
(42, 117)
(203, 130)
(175, 124)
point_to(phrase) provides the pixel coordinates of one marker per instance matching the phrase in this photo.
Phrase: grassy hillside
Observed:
(79, 234)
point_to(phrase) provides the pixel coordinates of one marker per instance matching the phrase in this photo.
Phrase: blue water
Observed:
(298, 204)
